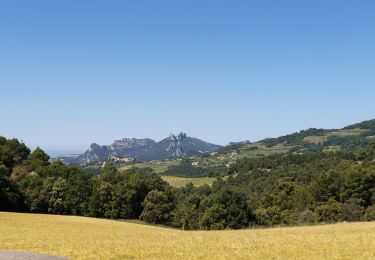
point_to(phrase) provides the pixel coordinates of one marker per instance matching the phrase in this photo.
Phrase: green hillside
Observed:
(351, 138)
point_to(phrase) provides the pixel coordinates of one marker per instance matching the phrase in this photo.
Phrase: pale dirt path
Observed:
(21, 255)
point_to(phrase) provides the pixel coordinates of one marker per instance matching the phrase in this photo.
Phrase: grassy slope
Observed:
(179, 182)
(158, 167)
(340, 133)
(89, 238)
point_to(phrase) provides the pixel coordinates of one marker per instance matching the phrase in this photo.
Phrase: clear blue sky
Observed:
(76, 72)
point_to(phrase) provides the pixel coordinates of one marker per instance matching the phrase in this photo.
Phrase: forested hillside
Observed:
(349, 139)
(279, 189)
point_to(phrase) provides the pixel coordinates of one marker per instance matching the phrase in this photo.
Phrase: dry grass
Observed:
(315, 139)
(347, 132)
(89, 238)
(179, 182)
(158, 166)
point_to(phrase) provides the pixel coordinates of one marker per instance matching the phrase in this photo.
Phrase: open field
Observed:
(90, 238)
(347, 132)
(158, 166)
(316, 139)
(179, 182)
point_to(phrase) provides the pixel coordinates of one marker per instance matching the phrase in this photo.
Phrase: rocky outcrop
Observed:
(143, 149)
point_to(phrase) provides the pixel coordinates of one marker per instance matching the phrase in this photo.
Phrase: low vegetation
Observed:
(92, 238)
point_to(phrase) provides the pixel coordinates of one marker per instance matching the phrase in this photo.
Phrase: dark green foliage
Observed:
(215, 217)
(296, 138)
(307, 216)
(349, 143)
(185, 169)
(370, 213)
(38, 158)
(120, 194)
(157, 207)
(11, 198)
(268, 216)
(191, 205)
(345, 143)
(237, 211)
(351, 212)
(329, 212)
(12, 153)
(369, 124)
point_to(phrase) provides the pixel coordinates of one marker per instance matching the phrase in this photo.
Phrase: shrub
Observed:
(18, 173)
(214, 217)
(351, 212)
(268, 216)
(329, 212)
(157, 207)
(370, 213)
(307, 216)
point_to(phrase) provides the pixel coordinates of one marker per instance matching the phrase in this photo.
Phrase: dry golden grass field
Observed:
(90, 238)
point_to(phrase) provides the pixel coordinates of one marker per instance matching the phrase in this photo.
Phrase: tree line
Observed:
(284, 189)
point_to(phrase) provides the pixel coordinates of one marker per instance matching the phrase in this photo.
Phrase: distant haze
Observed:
(57, 153)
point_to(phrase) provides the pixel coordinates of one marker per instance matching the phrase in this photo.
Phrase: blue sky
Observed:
(77, 72)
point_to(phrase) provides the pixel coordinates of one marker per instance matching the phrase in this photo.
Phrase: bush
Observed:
(18, 173)
(157, 207)
(370, 213)
(4, 171)
(351, 212)
(307, 216)
(329, 212)
(214, 217)
(289, 217)
(268, 216)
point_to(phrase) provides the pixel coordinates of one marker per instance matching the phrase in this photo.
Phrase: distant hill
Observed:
(350, 138)
(174, 146)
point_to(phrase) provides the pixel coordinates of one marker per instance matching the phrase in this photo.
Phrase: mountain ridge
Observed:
(347, 138)
(143, 149)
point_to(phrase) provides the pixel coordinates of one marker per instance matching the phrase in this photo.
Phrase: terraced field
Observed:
(90, 238)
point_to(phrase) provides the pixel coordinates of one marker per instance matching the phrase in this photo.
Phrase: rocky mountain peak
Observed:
(94, 146)
(145, 149)
(181, 135)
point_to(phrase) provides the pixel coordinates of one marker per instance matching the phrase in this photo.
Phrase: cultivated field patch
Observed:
(179, 182)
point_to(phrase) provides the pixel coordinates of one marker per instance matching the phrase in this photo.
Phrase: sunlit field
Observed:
(90, 238)
(179, 182)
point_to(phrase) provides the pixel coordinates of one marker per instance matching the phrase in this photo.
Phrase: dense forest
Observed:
(282, 189)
